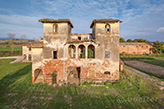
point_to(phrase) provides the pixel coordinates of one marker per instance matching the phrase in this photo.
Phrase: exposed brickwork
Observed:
(78, 57)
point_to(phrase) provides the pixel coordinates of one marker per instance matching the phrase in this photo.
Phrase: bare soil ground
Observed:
(146, 67)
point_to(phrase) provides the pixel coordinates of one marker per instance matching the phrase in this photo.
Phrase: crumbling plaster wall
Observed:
(25, 50)
(54, 41)
(90, 68)
(37, 56)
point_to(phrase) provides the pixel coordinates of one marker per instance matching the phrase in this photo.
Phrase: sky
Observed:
(141, 18)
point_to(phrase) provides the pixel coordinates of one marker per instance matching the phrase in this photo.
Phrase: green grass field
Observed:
(131, 91)
(151, 58)
(10, 49)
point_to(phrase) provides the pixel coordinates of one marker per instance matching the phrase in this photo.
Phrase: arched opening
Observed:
(107, 28)
(72, 51)
(55, 28)
(24, 57)
(38, 76)
(81, 51)
(29, 57)
(91, 51)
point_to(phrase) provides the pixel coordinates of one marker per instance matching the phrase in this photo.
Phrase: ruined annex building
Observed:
(73, 58)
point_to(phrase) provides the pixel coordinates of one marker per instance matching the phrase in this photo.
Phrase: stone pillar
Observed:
(76, 53)
(86, 52)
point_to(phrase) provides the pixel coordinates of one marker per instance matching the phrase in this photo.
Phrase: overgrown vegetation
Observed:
(18, 91)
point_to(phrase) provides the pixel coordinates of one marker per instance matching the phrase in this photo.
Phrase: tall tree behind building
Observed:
(158, 47)
(11, 40)
(122, 39)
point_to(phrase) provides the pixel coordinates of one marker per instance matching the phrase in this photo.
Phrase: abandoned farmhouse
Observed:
(62, 56)
(135, 48)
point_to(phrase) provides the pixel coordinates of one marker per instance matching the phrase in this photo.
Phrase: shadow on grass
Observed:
(6, 81)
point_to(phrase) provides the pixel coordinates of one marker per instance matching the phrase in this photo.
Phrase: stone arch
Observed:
(107, 28)
(24, 57)
(72, 51)
(55, 28)
(91, 51)
(38, 76)
(81, 51)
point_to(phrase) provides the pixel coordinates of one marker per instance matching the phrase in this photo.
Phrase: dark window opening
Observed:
(107, 72)
(29, 57)
(107, 54)
(107, 27)
(29, 48)
(91, 51)
(79, 38)
(54, 54)
(78, 70)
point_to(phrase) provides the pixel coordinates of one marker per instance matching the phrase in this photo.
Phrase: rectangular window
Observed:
(48, 77)
(29, 48)
(54, 54)
(107, 54)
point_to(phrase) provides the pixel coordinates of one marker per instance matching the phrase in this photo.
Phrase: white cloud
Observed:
(160, 29)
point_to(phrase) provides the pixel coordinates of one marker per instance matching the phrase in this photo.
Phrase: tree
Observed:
(129, 40)
(23, 37)
(136, 40)
(122, 39)
(11, 38)
(141, 40)
(158, 47)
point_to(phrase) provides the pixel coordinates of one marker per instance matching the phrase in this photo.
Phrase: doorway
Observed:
(73, 75)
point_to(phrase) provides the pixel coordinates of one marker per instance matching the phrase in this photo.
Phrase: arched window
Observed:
(91, 51)
(55, 28)
(72, 51)
(81, 51)
(107, 28)
(29, 57)
(38, 75)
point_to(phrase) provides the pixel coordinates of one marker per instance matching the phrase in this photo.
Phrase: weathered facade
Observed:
(135, 48)
(76, 57)
(29, 49)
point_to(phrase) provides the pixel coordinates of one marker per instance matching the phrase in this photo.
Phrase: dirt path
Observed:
(18, 58)
(146, 67)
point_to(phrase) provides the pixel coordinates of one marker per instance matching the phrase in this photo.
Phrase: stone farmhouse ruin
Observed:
(65, 57)
(135, 48)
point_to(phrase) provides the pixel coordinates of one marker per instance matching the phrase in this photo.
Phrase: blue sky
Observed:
(141, 18)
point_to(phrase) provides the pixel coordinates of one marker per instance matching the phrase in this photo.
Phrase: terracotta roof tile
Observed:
(36, 44)
(46, 20)
(104, 21)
